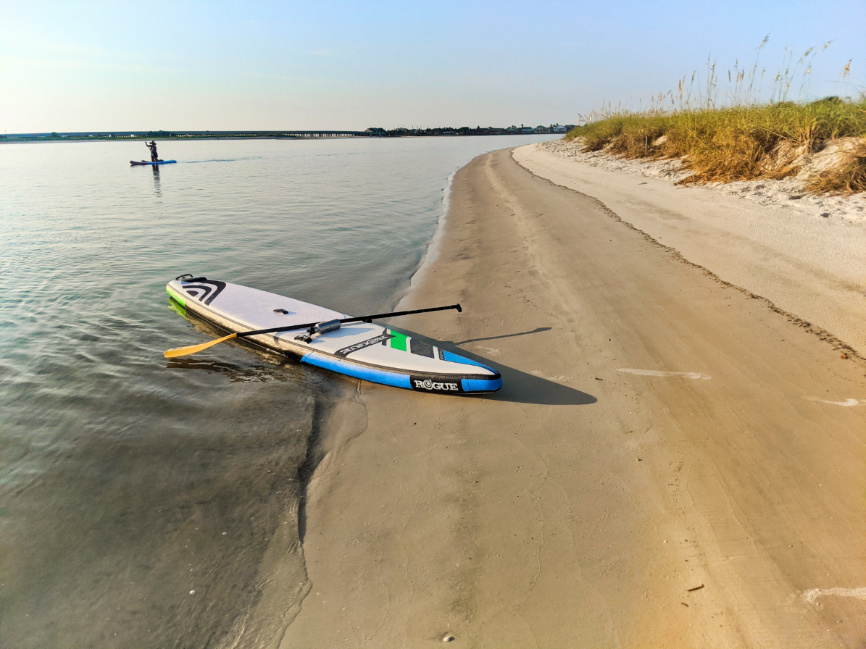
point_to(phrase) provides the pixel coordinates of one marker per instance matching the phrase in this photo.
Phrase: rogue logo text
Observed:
(427, 384)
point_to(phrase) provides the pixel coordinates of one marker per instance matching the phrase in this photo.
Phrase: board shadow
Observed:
(519, 386)
(522, 387)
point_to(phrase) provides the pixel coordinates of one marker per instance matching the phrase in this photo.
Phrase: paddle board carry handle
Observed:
(316, 329)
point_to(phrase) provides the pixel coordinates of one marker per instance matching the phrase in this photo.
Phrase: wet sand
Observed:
(671, 460)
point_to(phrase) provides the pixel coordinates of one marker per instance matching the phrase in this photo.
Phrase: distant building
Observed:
(559, 128)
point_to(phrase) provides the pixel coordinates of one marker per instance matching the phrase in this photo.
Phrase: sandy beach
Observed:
(677, 457)
(805, 253)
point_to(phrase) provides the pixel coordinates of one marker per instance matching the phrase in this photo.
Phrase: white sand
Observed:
(806, 254)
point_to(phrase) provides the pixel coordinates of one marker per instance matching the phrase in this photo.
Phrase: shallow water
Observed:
(138, 496)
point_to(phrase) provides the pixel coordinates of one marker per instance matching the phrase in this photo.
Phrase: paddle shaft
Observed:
(194, 349)
(365, 318)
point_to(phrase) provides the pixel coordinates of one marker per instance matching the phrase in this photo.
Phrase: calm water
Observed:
(137, 496)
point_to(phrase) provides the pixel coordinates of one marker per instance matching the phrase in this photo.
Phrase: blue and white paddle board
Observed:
(158, 162)
(361, 350)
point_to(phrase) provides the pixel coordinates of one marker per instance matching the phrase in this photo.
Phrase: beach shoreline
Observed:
(630, 485)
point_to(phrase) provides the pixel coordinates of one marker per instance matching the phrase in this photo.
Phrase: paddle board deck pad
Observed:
(158, 162)
(361, 350)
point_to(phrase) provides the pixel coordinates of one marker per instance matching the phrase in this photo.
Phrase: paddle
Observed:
(312, 327)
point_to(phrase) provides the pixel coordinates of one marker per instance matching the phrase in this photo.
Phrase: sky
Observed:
(254, 65)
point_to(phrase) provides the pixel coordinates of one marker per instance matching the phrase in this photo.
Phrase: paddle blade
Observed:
(194, 349)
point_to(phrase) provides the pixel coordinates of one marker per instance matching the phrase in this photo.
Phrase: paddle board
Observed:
(361, 350)
(158, 162)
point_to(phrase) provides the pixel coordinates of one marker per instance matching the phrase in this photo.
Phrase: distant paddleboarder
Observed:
(153, 155)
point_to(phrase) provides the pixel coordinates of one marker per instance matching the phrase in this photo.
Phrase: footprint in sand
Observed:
(812, 595)
(848, 403)
(685, 375)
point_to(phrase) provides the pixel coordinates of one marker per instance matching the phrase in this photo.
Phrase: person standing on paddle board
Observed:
(152, 146)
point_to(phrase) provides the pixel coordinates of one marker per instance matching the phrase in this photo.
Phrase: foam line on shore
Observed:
(431, 254)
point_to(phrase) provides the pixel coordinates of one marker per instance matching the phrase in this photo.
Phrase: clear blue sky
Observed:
(149, 64)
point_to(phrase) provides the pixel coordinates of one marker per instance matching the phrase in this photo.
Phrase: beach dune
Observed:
(671, 461)
(805, 254)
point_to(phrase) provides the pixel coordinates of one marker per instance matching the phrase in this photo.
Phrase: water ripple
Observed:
(103, 440)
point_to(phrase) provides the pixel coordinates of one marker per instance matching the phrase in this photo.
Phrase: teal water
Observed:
(137, 496)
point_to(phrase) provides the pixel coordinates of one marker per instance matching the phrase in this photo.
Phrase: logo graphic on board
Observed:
(204, 290)
(345, 351)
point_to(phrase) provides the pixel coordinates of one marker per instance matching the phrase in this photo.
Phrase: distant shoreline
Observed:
(125, 136)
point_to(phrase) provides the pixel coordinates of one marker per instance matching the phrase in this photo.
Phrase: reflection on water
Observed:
(273, 366)
(137, 497)
(156, 188)
(235, 372)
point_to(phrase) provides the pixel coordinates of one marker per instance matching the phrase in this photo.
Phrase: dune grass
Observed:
(745, 141)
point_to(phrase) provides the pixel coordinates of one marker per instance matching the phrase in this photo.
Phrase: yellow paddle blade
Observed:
(194, 349)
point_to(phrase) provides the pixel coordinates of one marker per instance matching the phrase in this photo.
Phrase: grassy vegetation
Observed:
(746, 141)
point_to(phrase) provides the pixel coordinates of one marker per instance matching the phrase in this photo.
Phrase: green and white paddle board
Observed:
(361, 350)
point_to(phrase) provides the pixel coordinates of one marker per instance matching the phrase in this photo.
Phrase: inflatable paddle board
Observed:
(362, 350)
(158, 162)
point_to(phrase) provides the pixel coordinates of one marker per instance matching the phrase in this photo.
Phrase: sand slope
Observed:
(806, 254)
(671, 463)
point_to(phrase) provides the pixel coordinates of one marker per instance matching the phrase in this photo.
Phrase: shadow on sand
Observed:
(537, 330)
(520, 387)
(517, 386)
